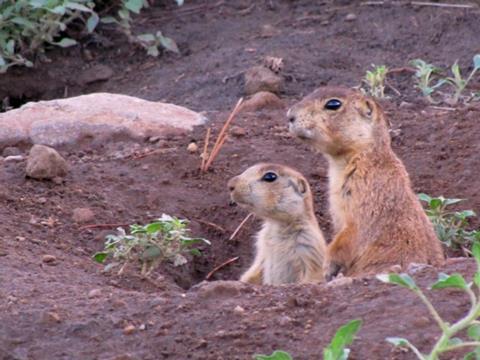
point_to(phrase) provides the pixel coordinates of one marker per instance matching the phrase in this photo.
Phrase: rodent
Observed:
(378, 220)
(290, 247)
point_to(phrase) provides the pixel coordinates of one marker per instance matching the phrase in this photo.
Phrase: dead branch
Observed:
(240, 226)
(216, 268)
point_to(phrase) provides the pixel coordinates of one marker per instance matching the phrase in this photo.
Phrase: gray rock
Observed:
(98, 116)
(82, 215)
(45, 163)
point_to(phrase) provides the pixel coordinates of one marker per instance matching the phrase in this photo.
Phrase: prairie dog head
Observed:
(272, 191)
(338, 120)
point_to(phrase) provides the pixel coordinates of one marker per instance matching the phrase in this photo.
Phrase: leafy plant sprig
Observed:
(336, 350)
(163, 240)
(424, 74)
(450, 226)
(375, 81)
(448, 340)
(458, 81)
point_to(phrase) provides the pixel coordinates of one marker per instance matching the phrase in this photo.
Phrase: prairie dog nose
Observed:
(231, 184)
(291, 116)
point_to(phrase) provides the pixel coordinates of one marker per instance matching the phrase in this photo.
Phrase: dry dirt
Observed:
(49, 311)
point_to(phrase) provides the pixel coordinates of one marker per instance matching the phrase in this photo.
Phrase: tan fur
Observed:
(290, 246)
(378, 220)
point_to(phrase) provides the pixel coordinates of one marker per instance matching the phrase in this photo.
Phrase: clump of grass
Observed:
(336, 350)
(458, 82)
(450, 226)
(375, 81)
(448, 340)
(166, 239)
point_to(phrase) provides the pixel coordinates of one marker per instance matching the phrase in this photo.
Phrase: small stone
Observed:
(192, 147)
(94, 293)
(259, 78)
(263, 100)
(82, 215)
(220, 289)
(51, 317)
(20, 238)
(340, 280)
(11, 151)
(129, 329)
(238, 131)
(42, 200)
(49, 259)
(268, 31)
(405, 104)
(154, 139)
(239, 310)
(142, 327)
(45, 163)
(13, 158)
(351, 17)
(95, 73)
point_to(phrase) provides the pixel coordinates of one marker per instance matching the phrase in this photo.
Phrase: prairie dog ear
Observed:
(367, 108)
(302, 186)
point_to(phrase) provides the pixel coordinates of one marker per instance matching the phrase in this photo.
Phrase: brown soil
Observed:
(45, 309)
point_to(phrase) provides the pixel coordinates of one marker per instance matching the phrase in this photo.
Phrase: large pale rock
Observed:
(93, 116)
(45, 163)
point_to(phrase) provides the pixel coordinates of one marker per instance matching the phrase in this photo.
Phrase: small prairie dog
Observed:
(378, 220)
(290, 246)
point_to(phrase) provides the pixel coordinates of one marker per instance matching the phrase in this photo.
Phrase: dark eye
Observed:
(269, 177)
(333, 104)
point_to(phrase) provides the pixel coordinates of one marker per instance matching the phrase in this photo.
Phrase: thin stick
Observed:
(216, 268)
(392, 88)
(442, 108)
(240, 226)
(92, 226)
(215, 226)
(217, 146)
(205, 148)
(461, 6)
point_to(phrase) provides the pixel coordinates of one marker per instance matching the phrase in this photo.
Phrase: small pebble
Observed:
(49, 259)
(192, 148)
(238, 131)
(238, 309)
(351, 17)
(129, 329)
(94, 293)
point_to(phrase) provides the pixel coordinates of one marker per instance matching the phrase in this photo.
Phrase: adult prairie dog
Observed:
(290, 246)
(378, 220)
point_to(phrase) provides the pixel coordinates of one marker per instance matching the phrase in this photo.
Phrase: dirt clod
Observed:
(83, 215)
(263, 100)
(259, 78)
(49, 259)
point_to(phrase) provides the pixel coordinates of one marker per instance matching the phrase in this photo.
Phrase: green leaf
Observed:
(23, 21)
(92, 22)
(276, 355)
(476, 252)
(168, 43)
(195, 252)
(476, 61)
(109, 20)
(146, 37)
(179, 2)
(476, 278)
(473, 332)
(398, 279)
(76, 6)
(100, 257)
(424, 197)
(435, 203)
(153, 227)
(65, 42)
(398, 341)
(452, 201)
(151, 252)
(454, 341)
(2, 61)
(134, 5)
(450, 281)
(10, 47)
(153, 51)
(342, 338)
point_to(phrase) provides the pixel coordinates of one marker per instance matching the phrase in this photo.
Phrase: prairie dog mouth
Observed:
(301, 133)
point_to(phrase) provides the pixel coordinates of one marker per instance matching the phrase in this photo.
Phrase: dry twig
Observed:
(213, 225)
(216, 268)
(240, 226)
(205, 149)
(222, 136)
(444, 5)
(92, 226)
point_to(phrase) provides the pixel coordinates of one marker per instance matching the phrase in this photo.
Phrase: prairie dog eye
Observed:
(269, 177)
(333, 104)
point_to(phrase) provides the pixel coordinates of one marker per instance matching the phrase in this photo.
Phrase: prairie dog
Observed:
(290, 246)
(378, 220)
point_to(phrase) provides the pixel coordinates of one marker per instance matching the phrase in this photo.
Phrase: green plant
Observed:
(27, 25)
(448, 339)
(336, 350)
(450, 226)
(150, 42)
(424, 76)
(460, 83)
(375, 81)
(163, 240)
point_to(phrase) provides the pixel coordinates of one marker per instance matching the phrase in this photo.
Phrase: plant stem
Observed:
(465, 344)
(432, 310)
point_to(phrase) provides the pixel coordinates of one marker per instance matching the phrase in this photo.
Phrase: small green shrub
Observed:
(336, 350)
(27, 26)
(450, 226)
(448, 339)
(375, 81)
(149, 245)
(458, 82)
(424, 74)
